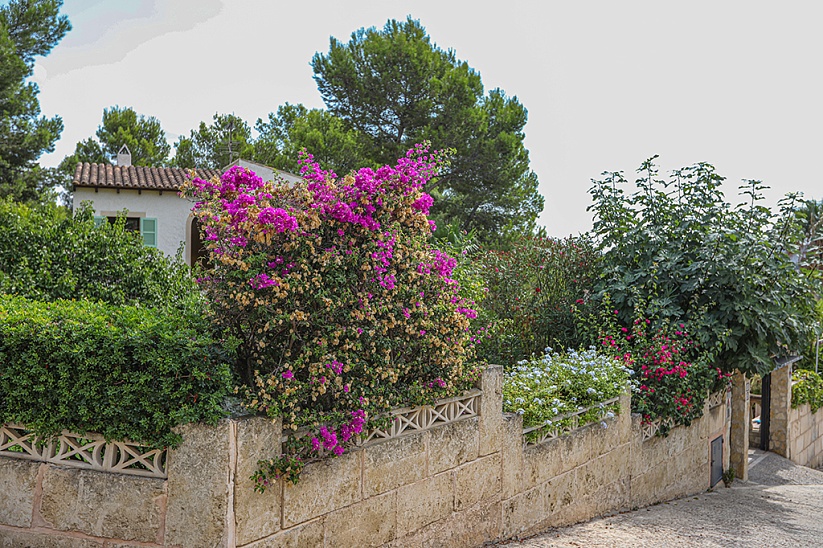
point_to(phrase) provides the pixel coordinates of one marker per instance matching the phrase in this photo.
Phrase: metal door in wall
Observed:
(765, 408)
(717, 461)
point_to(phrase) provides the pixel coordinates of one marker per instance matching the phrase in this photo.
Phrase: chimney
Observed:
(124, 156)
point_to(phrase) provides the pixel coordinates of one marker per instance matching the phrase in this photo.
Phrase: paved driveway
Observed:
(780, 505)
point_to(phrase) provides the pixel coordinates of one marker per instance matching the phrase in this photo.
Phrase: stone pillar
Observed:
(491, 410)
(780, 410)
(200, 507)
(739, 438)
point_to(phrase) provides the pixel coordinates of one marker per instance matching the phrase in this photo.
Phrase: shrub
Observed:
(540, 389)
(725, 271)
(47, 254)
(535, 291)
(341, 307)
(125, 372)
(672, 377)
(807, 388)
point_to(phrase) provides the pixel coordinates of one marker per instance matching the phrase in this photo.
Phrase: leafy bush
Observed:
(341, 307)
(678, 246)
(125, 372)
(807, 388)
(557, 384)
(671, 378)
(535, 291)
(46, 254)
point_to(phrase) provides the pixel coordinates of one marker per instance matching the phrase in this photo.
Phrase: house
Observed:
(149, 194)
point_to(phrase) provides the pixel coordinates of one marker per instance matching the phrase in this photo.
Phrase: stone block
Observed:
(601, 471)
(390, 464)
(522, 512)
(452, 444)
(561, 492)
(625, 416)
(305, 535)
(604, 440)
(610, 498)
(572, 507)
(687, 482)
(576, 448)
(478, 480)
(11, 538)
(371, 522)
(324, 486)
(512, 454)
(648, 454)
(18, 481)
(474, 527)
(256, 515)
(542, 462)
(424, 502)
(491, 410)
(644, 488)
(198, 485)
(102, 504)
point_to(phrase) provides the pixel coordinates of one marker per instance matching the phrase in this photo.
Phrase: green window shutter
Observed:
(148, 228)
(99, 220)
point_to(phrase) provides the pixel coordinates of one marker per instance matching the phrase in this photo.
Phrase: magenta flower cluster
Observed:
(331, 442)
(278, 218)
(243, 211)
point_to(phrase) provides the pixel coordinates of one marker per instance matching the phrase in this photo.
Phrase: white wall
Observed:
(171, 211)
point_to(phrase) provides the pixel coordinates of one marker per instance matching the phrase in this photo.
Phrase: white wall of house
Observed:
(172, 212)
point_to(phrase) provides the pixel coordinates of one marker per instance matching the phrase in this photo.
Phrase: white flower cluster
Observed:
(541, 389)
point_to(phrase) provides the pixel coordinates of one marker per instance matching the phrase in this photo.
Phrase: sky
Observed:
(606, 84)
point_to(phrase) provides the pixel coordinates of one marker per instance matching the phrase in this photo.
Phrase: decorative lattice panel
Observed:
(416, 419)
(717, 399)
(89, 451)
(561, 425)
(649, 430)
(409, 420)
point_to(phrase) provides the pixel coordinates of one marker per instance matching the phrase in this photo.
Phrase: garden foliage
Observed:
(807, 387)
(692, 258)
(556, 384)
(47, 254)
(671, 375)
(340, 307)
(123, 371)
(535, 291)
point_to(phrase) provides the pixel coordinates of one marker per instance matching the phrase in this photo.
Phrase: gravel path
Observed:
(780, 505)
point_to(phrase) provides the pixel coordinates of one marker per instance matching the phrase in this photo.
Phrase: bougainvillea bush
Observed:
(541, 389)
(672, 376)
(339, 306)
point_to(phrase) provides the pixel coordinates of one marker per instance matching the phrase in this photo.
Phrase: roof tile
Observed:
(135, 177)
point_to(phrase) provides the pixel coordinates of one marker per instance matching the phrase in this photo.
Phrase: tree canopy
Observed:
(333, 144)
(28, 28)
(395, 88)
(123, 126)
(215, 146)
(678, 252)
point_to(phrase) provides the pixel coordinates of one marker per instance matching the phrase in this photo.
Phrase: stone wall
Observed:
(794, 433)
(805, 439)
(459, 484)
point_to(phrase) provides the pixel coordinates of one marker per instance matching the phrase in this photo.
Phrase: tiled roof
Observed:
(136, 177)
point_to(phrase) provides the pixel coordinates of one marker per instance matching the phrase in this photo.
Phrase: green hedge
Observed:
(47, 254)
(123, 371)
(807, 388)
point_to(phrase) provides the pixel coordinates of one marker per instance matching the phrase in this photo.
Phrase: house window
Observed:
(147, 228)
